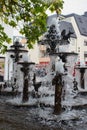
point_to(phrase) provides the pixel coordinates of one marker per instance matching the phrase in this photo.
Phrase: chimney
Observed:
(85, 14)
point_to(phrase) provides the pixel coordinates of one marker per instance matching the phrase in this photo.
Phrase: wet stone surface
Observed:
(23, 118)
(13, 118)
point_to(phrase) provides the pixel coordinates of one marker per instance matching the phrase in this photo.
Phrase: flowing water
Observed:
(13, 118)
(25, 118)
(43, 118)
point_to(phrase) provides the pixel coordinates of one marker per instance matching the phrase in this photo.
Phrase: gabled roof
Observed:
(81, 21)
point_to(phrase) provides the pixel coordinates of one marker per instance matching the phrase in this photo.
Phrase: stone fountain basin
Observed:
(76, 103)
(43, 104)
(48, 101)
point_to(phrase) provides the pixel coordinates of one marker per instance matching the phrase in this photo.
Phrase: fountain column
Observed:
(17, 51)
(57, 81)
(82, 72)
(53, 40)
(25, 70)
(82, 77)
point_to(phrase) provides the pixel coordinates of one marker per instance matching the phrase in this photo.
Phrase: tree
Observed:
(31, 14)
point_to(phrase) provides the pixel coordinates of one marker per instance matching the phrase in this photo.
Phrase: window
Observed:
(85, 54)
(85, 43)
(73, 41)
(78, 49)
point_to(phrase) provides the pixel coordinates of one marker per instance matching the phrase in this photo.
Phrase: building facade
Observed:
(79, 23)
(78, 41)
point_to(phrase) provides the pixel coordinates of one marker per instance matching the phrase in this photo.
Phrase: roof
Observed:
(81, 21)
(82, 24)
(68, 27)
(62, 25)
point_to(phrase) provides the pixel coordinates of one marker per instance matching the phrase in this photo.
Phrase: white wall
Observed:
(34, 53)
(79, 42)
(8, 67)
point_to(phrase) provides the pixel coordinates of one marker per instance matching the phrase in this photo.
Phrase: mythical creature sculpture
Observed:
(64, 36)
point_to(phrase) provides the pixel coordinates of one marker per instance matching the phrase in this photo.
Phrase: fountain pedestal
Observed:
(54, 40)
(25, 70)
(16, 52)
(82, 72)
(57, 81)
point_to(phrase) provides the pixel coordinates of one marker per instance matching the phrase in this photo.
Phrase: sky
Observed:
(74, 6)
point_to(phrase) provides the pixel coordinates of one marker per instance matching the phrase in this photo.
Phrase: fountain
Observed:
(16, 51)
(36, 84)
(16, 48)
(18, 58)
(75, 84)
(82, 70)
(25, 70)
(62, 94)
(53, 42)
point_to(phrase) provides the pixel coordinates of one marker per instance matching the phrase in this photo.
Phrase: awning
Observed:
(44, 60)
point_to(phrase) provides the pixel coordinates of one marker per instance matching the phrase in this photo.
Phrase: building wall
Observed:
(84, 49)
(78, 45)
(8, 67)
(34, 53)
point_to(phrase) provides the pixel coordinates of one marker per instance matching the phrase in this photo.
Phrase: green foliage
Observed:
(56, 5)
(12, 23)
(31, 13)
(3, 39)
